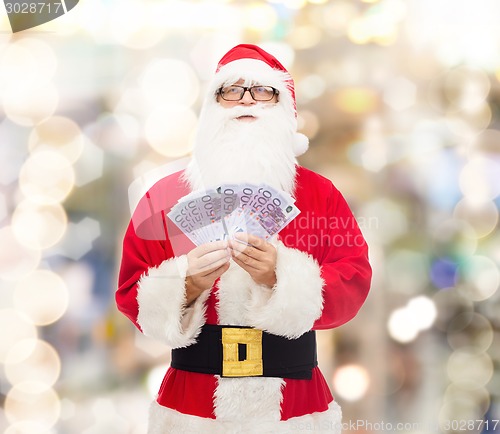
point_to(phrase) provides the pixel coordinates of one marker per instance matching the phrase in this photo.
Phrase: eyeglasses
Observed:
(258, 93)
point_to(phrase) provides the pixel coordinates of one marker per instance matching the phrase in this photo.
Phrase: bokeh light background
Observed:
(401, 101)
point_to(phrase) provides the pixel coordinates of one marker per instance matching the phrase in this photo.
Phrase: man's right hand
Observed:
(206, 263)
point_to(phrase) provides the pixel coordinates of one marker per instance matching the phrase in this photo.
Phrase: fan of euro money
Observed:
(218, 214)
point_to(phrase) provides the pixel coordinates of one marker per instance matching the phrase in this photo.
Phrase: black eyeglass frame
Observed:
(249, 89)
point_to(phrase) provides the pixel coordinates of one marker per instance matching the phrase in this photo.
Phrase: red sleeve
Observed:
(344, 265)
(138, 256)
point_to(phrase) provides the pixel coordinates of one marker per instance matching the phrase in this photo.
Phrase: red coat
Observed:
(323, 278)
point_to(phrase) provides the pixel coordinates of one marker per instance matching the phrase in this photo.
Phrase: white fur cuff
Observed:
(295, 302)
(161, 296)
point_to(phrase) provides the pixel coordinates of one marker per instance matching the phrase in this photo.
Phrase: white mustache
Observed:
(257, 111)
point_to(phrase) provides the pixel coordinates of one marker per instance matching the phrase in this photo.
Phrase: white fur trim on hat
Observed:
(163, 314)
(252, 70)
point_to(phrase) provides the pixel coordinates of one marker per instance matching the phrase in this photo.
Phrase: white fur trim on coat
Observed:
(163, 314)
(290, 308)
(246, 397)
(233, 296)
(163, 420)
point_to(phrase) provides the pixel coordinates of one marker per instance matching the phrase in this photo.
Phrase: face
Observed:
(246, 101)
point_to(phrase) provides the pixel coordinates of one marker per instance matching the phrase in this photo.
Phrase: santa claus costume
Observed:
(322, 276)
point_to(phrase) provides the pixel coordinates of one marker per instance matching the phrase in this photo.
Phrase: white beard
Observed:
(227, 150)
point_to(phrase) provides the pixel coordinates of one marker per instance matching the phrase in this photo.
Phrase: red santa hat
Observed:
(254, 65)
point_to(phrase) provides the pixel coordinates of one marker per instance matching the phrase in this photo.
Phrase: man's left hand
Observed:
(255, 256)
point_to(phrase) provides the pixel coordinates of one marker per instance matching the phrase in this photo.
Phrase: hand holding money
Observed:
(256, 256)
(206, 263)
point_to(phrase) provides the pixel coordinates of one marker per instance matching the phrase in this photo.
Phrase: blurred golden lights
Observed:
(30, 361)
(482, 217)
(308, 123)
(169, 80)
(259, 17)
(407, 271)
(16, 260)
(351, 382)
(466, 88)
(18, 66)
(135, 25)
(154, 379)
(26, 63)
(19, 328)
(169, 130)
(59, 134)
(28, 106)
(391, 214)
(39, 226)
(336, 16)
(292, 4)
(356, 101)
(31, 402)
(470, 370)
(407, 322)
(400, 94)
(465, 404)
(480, 179)
(46, 177)
(470, 331)
(379, 24)
(311, 86)
(481, 278)
(304, 37)
(42, 296)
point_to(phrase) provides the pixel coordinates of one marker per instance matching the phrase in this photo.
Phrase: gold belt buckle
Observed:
(231, 365)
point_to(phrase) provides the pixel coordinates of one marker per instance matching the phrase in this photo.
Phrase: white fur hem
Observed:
(295, 302)
(161, 296)
(244, 398)
(163, 420)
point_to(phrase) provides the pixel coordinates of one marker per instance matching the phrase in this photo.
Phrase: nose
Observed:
(247, 98)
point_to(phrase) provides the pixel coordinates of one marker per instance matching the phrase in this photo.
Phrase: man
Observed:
(240, 315)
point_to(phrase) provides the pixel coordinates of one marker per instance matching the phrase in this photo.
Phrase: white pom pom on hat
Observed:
(247, 61)
(301, 144)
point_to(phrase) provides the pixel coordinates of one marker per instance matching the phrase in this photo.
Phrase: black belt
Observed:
(232, 351)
